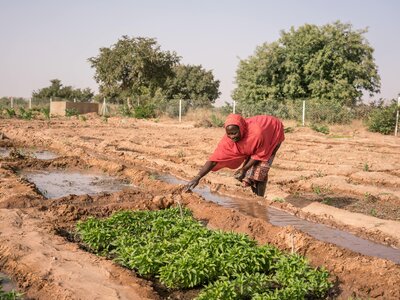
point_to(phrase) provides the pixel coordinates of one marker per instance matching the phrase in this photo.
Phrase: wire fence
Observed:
(304, 112)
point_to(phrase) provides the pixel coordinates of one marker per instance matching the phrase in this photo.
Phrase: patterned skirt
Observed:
(259, 171)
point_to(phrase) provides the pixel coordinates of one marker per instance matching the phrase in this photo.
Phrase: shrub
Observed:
(382, 119)
(46, 112)
(216, 121)
(10, 112)
(320, 128)
(145, 111)
(25, 114)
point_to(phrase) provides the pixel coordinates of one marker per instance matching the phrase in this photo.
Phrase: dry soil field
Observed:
(349, 179)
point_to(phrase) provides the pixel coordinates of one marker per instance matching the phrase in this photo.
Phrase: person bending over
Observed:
(252, 141)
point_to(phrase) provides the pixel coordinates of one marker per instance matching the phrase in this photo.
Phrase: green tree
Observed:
(132, 67)
(57, 90)
(194, 84)
(332, 62)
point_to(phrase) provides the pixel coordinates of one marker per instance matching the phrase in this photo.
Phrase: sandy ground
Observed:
(349, 179)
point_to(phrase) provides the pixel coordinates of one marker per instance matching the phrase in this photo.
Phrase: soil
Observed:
(349, 179)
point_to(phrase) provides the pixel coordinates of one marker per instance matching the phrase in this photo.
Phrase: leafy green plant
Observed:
(316, 189)
(25, 114)
(326, 201)
(177, 249)
(366, 167)
(10, 112)
(320, 128)
(373, 212)
(46, 112)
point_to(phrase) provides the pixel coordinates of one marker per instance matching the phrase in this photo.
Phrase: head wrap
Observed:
(259, 137)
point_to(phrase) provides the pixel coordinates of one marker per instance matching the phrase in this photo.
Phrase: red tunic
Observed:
(259, 137)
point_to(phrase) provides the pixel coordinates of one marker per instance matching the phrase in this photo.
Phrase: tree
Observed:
(132, 67)
(331, 63)
(193, 84)
(57, 90)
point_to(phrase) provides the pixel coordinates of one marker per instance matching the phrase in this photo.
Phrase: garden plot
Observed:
(40, 248)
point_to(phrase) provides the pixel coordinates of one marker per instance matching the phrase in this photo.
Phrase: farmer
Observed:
(254, 142)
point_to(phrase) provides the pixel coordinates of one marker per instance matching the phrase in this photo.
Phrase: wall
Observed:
(59, 108)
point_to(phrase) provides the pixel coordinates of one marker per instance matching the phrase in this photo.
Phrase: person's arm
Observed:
(240, 173)
(208, 166)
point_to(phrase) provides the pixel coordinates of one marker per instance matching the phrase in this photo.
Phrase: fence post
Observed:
(304, 111)
(74, 100)
(104, 109)
(180, 110)
(397, 116)
(30, 103)
(234, 106)
(12, 102)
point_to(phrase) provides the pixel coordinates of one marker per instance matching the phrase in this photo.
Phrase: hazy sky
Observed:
(47, 39)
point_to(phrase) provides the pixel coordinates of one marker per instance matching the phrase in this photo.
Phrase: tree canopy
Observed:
(331, 63)
(132, 67)
(57, 90)
(193, 84)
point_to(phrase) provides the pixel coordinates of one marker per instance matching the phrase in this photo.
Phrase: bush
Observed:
(145, 111)
(382, 119)
(320, 128)
(25, 114)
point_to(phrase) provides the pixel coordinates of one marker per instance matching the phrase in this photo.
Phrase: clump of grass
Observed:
(70, 112)
(288, 129)
(278, 199)
(366, 167)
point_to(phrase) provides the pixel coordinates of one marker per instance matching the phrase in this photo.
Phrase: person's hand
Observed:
(239, 174)
(192, 184)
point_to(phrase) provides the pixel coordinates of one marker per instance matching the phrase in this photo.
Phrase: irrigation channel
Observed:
(36, 153)
(6, 283)
(56, 184)
(280, 218)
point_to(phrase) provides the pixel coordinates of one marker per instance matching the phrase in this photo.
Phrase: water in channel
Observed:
(39, 154)
(56, 184)
(280, 218)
